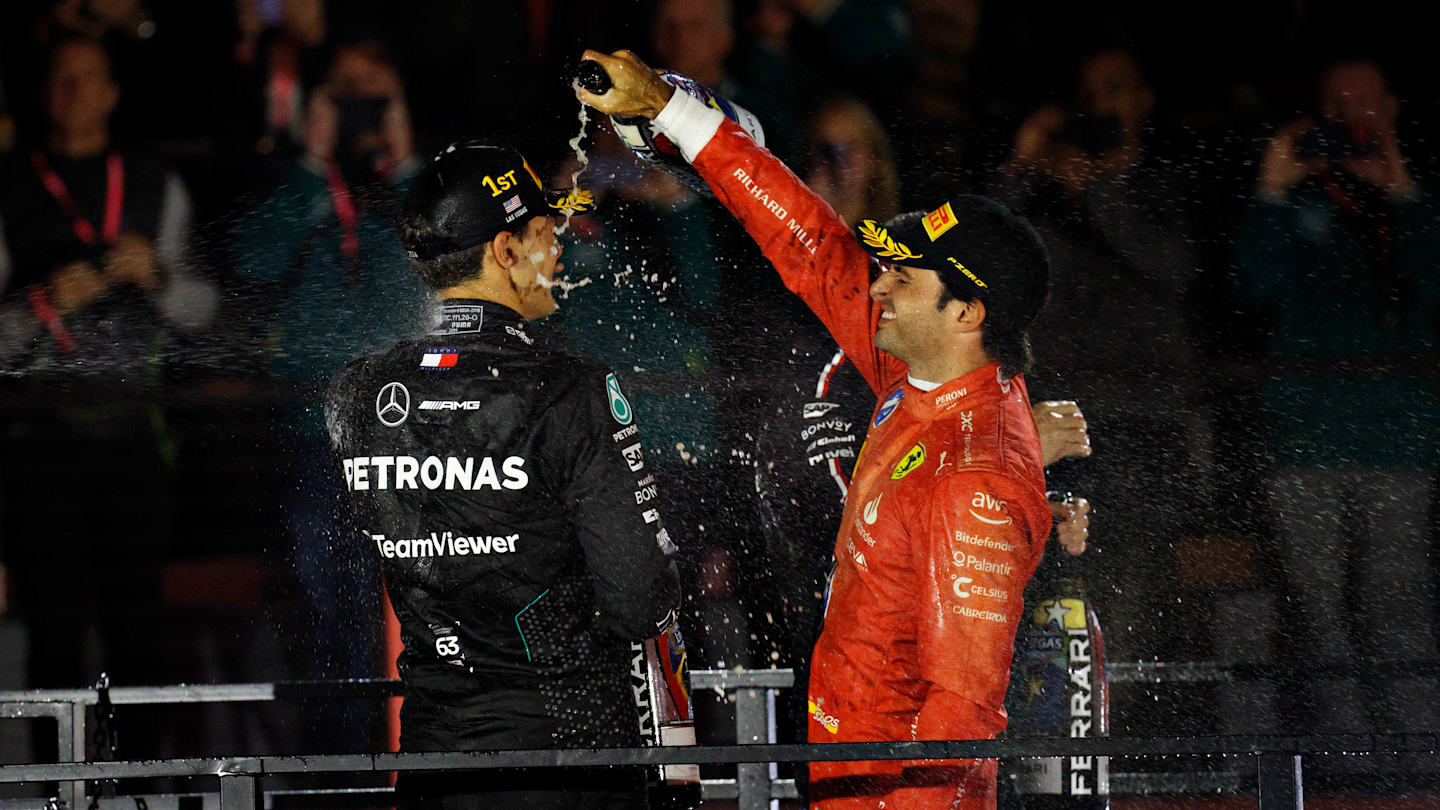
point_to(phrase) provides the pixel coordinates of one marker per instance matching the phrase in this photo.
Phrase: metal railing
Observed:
(68, 707)
(1277, 767)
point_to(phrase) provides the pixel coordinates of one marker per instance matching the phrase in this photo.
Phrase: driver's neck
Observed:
(942, 367)
(491, 285)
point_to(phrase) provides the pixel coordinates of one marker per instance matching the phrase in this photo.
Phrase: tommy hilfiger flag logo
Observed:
(440, 359)
(512, 203)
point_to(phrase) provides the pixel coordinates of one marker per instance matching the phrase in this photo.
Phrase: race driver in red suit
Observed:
(946, 517)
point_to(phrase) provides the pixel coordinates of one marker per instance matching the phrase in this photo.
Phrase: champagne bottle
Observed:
(1063, 694)
(649, 145)
(661, 677)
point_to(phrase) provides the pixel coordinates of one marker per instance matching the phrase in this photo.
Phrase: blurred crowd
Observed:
(196, 206)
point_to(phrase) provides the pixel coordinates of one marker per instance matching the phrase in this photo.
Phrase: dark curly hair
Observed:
(444, 271)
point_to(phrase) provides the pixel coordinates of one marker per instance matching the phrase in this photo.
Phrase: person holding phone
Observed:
(1338, 251)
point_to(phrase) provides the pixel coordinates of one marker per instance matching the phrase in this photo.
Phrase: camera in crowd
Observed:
(360, 114)
(360, 146)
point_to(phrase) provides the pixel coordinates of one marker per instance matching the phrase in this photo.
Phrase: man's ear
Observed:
(508, 255)
(505, 249)
(969, 315)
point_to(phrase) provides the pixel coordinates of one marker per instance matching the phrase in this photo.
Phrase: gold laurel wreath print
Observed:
(878, 238)
(578, 199)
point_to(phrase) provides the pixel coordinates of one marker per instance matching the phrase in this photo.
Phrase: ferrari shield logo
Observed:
(912, 461)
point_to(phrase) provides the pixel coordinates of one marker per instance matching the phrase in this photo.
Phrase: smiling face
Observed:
(914, 328)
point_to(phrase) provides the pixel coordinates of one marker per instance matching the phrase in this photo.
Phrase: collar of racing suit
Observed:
(984, 383)
(469, 316)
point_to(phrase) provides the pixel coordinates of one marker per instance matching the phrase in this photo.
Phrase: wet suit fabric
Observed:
(944, 523)
(501, 485)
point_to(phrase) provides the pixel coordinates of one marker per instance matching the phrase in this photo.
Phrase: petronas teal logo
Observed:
(619, 405)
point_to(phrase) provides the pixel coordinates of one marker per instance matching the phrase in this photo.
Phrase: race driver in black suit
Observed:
(502, 487)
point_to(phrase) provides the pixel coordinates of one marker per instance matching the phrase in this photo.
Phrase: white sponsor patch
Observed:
(1000, 510)
(462, 319)
(433, 472)
(872, 510)
(392, 405)
(839, 425)
(973, 613)
(815, 410)
(444, 544)
(450, 405)
(760, 194)
(946, 399)
(634, 457)
(982, 542)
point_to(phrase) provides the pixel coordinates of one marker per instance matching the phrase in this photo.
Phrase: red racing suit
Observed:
(945, 521)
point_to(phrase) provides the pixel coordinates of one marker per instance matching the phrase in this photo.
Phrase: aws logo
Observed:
(984, 500)
(912, 461)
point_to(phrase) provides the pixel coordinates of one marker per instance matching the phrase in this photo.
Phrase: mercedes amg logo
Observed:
(393, 404)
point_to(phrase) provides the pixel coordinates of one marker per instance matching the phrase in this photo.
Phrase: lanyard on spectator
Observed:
(344, 211)
(48, 315)
(114, 198)
(284, 85)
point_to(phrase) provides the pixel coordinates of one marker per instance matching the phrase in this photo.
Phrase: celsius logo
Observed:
(619, 405)
(393, 404)
(983, 500)
(872, 510)
(888, 407)
(958, 586)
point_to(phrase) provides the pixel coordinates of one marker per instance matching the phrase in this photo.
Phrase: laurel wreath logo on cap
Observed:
(877, 237)
(578, 199)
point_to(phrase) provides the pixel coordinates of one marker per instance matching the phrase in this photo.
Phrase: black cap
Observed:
(471, 191)
(980, 249)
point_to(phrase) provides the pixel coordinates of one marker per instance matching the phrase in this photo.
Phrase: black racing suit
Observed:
(502, 487)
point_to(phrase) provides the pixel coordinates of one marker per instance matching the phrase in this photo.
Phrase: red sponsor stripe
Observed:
(447, 360)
